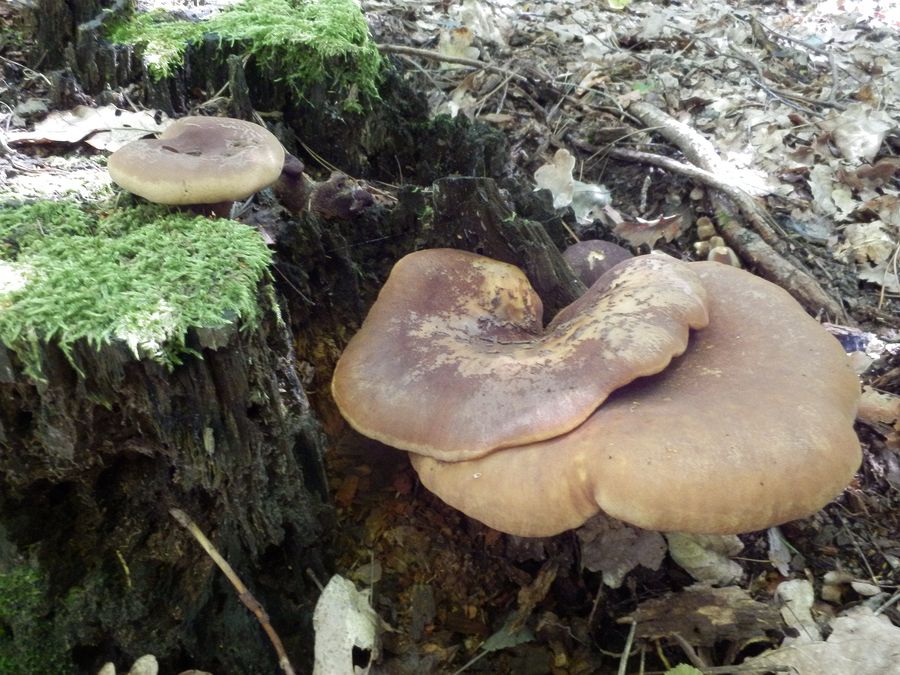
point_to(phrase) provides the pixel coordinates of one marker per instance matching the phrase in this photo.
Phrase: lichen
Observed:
(301, 42)
(143, 276)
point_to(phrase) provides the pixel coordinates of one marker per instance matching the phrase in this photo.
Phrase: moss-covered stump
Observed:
(146, 366)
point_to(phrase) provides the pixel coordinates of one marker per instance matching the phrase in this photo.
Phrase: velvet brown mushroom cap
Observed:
(751, 427)
(452, 360)
(199, 160)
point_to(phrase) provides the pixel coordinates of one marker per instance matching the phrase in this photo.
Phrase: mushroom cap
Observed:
(592, 258)
(199, 160)
(452, 361)
(751, 427)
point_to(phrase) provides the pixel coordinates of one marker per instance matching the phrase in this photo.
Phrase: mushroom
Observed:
(592, 258)
(338, 197)
(452, 360)
(751, 427)
(203, 162)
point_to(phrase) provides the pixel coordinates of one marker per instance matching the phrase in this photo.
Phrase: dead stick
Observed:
(446, 58)
(244, 594)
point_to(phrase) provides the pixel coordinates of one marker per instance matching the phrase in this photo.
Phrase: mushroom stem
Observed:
(216, 210)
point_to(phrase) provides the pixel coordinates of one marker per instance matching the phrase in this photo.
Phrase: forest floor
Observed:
(802, 101)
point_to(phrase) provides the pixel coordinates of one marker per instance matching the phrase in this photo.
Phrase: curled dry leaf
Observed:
(640, 231)
(706, 556)
(104, 128)
(859, 131)
(556, 176)
(860, 643)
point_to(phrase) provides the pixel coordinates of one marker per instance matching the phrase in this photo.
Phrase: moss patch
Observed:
(28, 642)
(140, 275)
(302, 42)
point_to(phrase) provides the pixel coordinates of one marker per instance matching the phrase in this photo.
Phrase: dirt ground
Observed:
(801, 102)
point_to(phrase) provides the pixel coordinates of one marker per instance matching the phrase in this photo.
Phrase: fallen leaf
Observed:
(640, 231)
(343, 620)
(861, 644)
(613, 548)
(859, 131)
(706, 556)
(105, 128)
(556, 176)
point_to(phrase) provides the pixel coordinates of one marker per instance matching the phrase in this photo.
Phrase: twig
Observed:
(768, 251)
(244, 594)
(689, 650)
(893, 601)
(626, 651)
(445, 58)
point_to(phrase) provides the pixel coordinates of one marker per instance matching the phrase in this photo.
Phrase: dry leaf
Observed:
(859, 131)
(640, 231)
(556, 176)
(343, 620)
(105, 128)
(861, 644)
(614, 548)
(706, 556)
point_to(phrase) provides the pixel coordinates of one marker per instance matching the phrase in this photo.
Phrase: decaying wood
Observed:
(94, 455)
(244, 594)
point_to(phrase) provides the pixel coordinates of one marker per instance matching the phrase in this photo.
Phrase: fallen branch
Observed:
(764, 249)
(432, 55)
(244, 594)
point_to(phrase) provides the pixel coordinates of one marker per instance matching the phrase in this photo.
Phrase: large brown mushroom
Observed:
(204, 162)
(751, 427)
(452, 360)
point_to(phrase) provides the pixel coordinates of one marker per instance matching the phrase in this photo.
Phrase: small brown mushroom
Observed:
(592, 258)
(202, 162)
(452, 360)
(751, 427)
(339, 197)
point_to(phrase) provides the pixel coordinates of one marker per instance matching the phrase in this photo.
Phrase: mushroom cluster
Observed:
(686, 397)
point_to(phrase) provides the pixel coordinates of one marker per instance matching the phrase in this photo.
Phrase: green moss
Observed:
(28, 642)
(143, 276)
(302, 42)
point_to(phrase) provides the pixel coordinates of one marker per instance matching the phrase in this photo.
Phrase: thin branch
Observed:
(244, 594)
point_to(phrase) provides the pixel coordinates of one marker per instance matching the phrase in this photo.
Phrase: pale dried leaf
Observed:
(706, 556)
(859, 131)
(861, 644)
(779, 553)
(867, 242)
(797, 598)
(588, 201)
(556, 176)
(105, 128)
(343, 620)
(883, 274)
